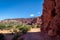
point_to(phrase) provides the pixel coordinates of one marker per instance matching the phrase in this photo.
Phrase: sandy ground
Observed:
(5, 31)
(35, 30)
(27, 36)
(32, 30)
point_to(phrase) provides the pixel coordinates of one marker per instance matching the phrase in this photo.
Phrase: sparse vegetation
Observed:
(23, 28)
(2, 26)
(35, 26)
(17, 27)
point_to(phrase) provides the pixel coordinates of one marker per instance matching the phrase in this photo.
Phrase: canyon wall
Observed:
(51, 17)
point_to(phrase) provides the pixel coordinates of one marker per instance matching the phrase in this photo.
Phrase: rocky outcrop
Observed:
(51, 17)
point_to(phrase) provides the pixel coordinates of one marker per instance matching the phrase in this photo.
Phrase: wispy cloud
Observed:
(38, 12)
(31, 15)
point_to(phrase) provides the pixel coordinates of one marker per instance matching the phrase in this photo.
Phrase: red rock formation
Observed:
(28, 21)
(51, 17)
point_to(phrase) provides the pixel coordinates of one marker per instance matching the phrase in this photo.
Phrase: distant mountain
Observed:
(29, 21)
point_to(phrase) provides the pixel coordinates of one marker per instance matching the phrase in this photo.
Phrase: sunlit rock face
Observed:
(51, 17)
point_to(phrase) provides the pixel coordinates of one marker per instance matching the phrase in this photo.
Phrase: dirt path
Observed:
(9, 37)
(39, 36)
(36, 36)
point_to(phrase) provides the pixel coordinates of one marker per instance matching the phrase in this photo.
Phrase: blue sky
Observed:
(20, 8)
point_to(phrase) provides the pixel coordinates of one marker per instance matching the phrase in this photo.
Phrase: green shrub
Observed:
(9, 26)
(2, 26)
(18, 26)
(15, 30)
(24, 28)
(38, 26)
(35, 26)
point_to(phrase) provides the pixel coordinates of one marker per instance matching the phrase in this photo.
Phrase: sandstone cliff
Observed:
(51, 17)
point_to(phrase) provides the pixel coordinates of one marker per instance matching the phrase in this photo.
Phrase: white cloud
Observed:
(38, 12)
(31, 15)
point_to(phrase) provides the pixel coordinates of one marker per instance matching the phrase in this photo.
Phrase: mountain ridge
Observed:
(29, 21)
